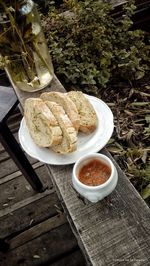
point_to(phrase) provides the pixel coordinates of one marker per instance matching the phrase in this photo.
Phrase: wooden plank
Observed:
(42, 250)
(37, 230)
(107, 231)
(7, 101)
(3, 155)
(18, 173)
(112, 230)
(8, 166)
(14, 127)
(73, 259)
(29, 215)
(19, 205)
(54, 86)
(117, 3)
(1, 146)
(18, 189)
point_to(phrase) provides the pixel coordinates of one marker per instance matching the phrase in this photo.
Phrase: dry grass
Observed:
(130, 143)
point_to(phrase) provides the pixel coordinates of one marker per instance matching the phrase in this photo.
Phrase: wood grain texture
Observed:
(111, 231)
(116, 3)
(17, 173)
(25, 202)
(33, 224)
(7, 100)
(29, 215)
(1, 146)
(37, 230)
(18, 189)
(54, 86)
(8, 166)
(75, 258)
(42, 250)
(114, 231)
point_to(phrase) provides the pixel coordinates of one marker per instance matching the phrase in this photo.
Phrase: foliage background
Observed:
(98, 52)
(90, 47)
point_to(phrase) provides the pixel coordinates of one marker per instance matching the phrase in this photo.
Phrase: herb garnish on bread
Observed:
(69, 140)
(42, 124)
(54, 119)
(87, 114)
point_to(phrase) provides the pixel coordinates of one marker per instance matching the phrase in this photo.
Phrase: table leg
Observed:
(13, 148)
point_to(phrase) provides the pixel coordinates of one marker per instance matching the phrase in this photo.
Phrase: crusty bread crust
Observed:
(69, 141)
(54, 119)
(63, 100)
(43, 127)
(87, 114)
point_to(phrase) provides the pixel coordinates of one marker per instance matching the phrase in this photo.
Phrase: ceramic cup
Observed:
(94, 193)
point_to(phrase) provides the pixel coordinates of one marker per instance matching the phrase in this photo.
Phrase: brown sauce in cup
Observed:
(94, 173)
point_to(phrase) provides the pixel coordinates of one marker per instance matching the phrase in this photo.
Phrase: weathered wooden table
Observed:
(114, 231)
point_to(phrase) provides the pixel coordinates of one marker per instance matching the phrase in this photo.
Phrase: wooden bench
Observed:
(8, 102)
(114, 231)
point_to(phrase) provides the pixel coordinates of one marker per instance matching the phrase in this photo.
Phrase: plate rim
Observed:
(97, 148)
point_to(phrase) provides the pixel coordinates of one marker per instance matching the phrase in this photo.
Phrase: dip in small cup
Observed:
(94, 176)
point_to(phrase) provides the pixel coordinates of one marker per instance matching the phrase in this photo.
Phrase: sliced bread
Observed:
(69, 141)
(67, 104)
(87, 114)
(42, 125)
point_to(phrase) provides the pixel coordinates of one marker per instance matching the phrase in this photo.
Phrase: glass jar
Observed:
(23, 49)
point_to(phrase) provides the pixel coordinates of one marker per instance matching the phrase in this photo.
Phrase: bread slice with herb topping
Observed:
(69, 140)
(67, 104)
(42, 124)
(87, 114)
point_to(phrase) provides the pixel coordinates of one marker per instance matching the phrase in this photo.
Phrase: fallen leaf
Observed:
(146, 192)
(31, 221)
(11, 198)
(36, 257)
(139, 103)
(28, 188)
(144, 157)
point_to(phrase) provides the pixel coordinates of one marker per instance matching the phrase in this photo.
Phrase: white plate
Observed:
(86, 143)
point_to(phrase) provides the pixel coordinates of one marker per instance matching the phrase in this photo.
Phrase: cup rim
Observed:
(92, 156)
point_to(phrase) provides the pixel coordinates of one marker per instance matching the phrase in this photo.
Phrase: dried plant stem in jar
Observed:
(23, 49)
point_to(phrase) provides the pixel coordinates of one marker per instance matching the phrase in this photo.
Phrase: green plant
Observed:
(22, 45)
(89, 46)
